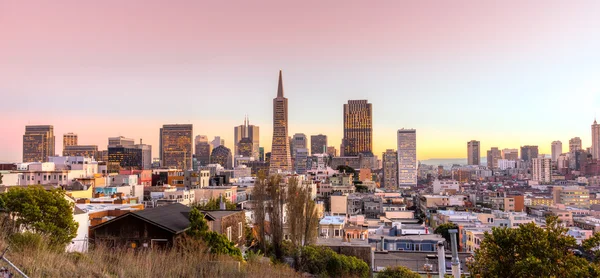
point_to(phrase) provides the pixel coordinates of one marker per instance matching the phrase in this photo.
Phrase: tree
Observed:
(346, 169)
(215, 204)
(322, 261)
(443, 230)
(259, 201)
(530, 251)
(592, 246)
(276, 194)
(302, 214)
(41, 211)
(218, 243)
(397, 272)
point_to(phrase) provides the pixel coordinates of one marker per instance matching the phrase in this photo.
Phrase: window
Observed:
(240, 230)
(229, 233)
(336, 232)
(325, 232)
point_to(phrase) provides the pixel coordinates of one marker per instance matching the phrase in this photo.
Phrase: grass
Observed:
(33, 256)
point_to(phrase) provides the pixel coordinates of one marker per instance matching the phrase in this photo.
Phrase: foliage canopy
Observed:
(42, 211)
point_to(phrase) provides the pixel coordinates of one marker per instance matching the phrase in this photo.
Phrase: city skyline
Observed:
(428, 68)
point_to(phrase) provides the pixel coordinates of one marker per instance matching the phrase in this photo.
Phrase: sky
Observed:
(506, 73)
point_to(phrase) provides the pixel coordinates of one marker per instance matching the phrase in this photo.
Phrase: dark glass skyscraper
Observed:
(176, 146)
(318, 144)
(358, 128)
(280, 148)
(529, 152)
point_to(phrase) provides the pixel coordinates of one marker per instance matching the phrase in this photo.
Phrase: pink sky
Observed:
(451, 69)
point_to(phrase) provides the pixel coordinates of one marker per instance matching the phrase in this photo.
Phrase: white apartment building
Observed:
(407, 157)
(542, 170)
(443, 185)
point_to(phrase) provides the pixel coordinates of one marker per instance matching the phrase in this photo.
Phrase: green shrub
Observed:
(322, 261)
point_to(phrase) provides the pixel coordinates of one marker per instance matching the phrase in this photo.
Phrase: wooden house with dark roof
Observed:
(151, 228)
(159, 227)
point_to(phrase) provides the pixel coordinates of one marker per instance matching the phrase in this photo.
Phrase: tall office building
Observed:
(407, 157)
(176, 146)
(510, 154)
(529, 152)
(390, 170)
(82, 150)
(574, 144)
(298, 142)
(280, 148)
(146, 154)
(246, 131)
(556, 150)
(261, 154)
(38, 143)
(124, 157)
(541, 170)
(69, 139)
(358, 128)
(595, 140)
(221, 155)
(473, 152)
(202, 152)
(120, 141)
(318, 144)
(217, 142)
(200, 139)
(301, 161)
(492, 157)
(332, 151)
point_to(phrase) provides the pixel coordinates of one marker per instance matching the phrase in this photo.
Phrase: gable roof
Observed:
(218, 214)
(173, 218)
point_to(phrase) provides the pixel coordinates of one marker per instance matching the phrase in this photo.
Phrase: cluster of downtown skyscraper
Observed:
(540, 165)
(288, 154)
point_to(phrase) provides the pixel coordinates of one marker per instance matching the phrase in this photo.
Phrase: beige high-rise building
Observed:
(510, 154)
(280, 148)
(492, 157)
(556, 149)
(541, 170)
(473, 152)
(595, 140)
(176, 146)
(574, 144)
(358, 128)
(332, 151)
(69, 139)
(38, 143)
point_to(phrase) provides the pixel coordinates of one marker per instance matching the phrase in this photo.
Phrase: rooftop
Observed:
(336, 220)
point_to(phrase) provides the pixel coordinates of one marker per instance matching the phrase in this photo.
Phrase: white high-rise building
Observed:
(407, 157)
(595, 140)
(542, 170)
(556, 150)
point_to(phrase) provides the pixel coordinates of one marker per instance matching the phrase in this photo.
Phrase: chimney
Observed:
(441, 253)
(221, 204)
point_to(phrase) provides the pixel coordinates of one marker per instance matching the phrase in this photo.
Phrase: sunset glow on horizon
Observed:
(506, 73)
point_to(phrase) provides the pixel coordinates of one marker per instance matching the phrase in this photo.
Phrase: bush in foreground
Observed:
(323, 261)
(397, 272)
